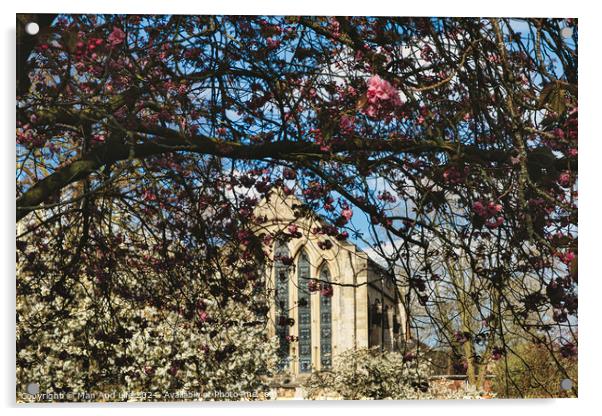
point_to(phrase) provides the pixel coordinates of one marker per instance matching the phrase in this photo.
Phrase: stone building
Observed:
(326, 297)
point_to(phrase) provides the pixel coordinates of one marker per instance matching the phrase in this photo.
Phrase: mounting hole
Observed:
(566, 384)
(33, 388)
(32, 28)
(566, 32)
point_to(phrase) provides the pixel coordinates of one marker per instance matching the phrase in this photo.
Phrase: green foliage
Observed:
(529, 372)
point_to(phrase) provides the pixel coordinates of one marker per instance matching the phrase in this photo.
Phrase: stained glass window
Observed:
(304, 310)
(325, 323)
(282, 305)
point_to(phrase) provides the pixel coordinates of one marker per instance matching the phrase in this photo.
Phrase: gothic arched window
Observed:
(282, 263)
(325, 322)
(304, 311)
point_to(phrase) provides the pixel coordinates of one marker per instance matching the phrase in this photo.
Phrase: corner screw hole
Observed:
(32, 28)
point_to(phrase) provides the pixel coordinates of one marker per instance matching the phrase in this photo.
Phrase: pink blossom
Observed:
(386, 196)
(492, 225)
(243, 236)
(497, 353)
(494, 59)
(347, 124)
(326, 290)
(286, 260)
(454, 176)
(347, 213)
(479, 208)
(381, 90)
(272, 43)
(461, 337)
(564, 179)
(203, 316)
(409, 356)
(370, 111)
(493, 208)
(559, 133)
(568, 350)
(343, 236)
(335, 28)
(98, 138)
(486, 211)
(149, 195)
(116, 37)
(567, 257)
(426, 53)
(382, 97)
(289, 174)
